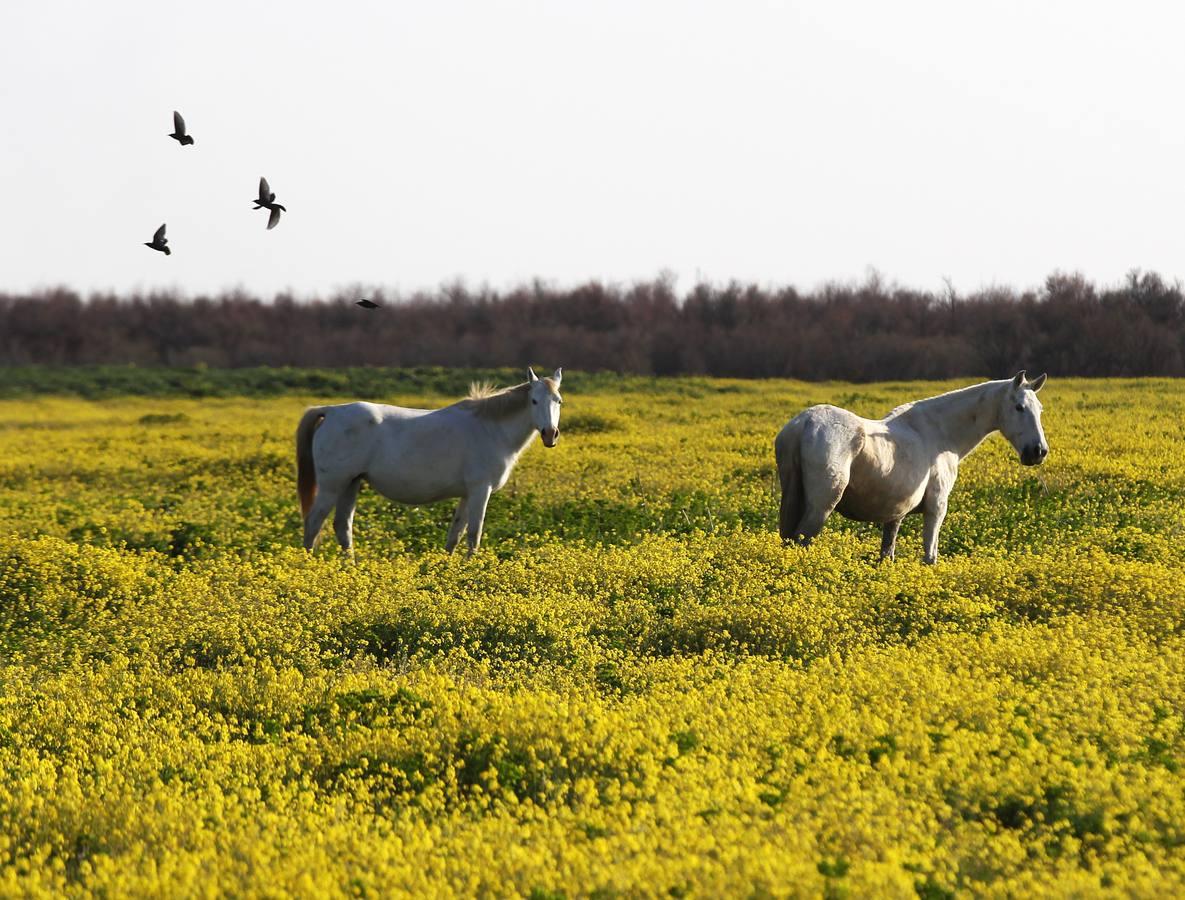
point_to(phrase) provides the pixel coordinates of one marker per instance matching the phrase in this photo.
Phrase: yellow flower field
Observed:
(633, 691)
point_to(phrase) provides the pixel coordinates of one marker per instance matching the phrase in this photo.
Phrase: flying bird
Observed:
(179, 134)
(366, 304)
(160, 242)
(267, 200)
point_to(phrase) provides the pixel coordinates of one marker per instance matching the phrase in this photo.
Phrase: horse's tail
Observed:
(786, 452)
(306, 472)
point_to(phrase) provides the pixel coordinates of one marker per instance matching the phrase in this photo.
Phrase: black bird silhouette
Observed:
(179, 134)
(267, 200)
(366, 304)
(160, 242)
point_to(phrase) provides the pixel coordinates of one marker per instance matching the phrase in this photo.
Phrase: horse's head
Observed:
(1020, 419)
(545, 405)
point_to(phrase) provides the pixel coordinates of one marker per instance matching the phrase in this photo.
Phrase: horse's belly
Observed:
(415, 491)
(873, 497)
(862, 509)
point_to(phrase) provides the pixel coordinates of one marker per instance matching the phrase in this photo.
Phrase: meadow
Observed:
(633, 690)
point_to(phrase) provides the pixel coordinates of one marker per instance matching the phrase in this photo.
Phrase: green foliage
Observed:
(100, 382)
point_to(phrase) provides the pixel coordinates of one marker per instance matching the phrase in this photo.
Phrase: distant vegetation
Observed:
(864, 332)
(374, 382)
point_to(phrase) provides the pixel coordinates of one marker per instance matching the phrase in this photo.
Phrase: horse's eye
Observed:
(534, 402)
(1020, 407)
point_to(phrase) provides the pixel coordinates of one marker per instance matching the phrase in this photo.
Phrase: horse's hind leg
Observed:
(317, 516)
(823, 488)
(454, 531)
(343, 517)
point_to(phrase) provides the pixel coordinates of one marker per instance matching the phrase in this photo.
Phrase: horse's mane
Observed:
(490, 402)
(906, 407)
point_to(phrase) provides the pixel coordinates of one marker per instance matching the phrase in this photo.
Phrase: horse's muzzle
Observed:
(551, 436)
(1034, 454)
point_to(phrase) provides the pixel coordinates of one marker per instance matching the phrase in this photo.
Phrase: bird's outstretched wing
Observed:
(274, 219)
(265, 192)
(159, 237)
(178, 123)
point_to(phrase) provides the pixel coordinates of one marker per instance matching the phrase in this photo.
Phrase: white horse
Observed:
(880, 471)
(416, 456)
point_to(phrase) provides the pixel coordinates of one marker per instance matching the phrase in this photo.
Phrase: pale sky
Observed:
(417, 143)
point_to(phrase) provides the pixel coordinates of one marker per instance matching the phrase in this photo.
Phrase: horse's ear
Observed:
(1037, 383)
(1018, 380)
(558, 375)
(531, 376)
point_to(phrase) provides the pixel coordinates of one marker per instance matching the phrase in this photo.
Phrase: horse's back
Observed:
(360, 422)
(828, 432)
(360, 413)
(351, 432)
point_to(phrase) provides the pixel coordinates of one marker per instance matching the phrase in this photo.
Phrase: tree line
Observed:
(859, 332)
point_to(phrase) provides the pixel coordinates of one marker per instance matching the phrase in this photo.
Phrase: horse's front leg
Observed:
(889, 539)
(455, 529)
(942, 479)
(933, 512)
(479, 498)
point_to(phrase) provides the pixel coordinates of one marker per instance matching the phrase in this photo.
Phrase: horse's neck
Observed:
(516, 431)
(960, 420)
